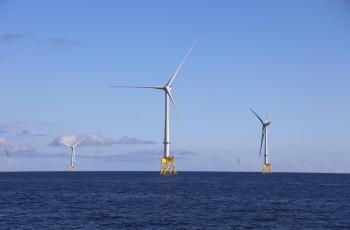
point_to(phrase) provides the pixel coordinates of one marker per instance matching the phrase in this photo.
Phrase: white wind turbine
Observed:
(73, 157)
(264, 139)
(168, 165)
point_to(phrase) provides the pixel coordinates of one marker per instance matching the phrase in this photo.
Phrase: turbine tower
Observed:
(7, 159)
(168, 161)
(73, 157)
(264, 139)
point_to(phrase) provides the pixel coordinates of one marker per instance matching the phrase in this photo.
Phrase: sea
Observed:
(189, 200)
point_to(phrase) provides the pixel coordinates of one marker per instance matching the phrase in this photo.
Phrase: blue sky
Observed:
(57, 59)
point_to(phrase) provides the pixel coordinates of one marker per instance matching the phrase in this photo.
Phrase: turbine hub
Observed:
(168, 88)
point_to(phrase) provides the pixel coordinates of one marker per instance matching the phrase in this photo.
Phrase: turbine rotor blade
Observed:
(269, 115)
(173, 101)
(257, 116)
(66, 144)
(76, 144)
(136, 87)
(170, 82)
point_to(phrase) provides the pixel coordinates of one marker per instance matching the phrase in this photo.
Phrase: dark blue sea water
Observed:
(190, 200)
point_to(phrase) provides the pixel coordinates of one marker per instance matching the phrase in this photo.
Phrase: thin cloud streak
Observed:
(149, 155)
(4, 129)
(63, 42)
(11, 37)
(125, 140)
(144, 155)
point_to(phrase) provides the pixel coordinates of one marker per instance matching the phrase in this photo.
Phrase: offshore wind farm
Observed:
(90, 135)
(215, 92)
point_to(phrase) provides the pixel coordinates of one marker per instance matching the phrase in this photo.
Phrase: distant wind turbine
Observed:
(168, 161)
(7, 159)
(264, 139)
(73, 157)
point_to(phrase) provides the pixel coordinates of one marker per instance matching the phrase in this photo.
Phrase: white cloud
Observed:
(24, 148)
(3, 142)
(94, 139)
(69, 139)
(16, 148)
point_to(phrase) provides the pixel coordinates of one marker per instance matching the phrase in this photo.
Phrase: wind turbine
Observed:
(7, 159)
(168, 160)
(73, 158)
(264, 139)
(238, 162)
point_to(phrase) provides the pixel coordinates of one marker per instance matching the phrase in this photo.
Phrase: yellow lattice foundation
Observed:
(168, 166)
(266, 169)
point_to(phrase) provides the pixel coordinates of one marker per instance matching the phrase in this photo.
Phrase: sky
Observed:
(58, 59)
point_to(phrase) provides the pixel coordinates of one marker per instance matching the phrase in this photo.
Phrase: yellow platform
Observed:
(71, 169)
(168, 166)
(266, 169)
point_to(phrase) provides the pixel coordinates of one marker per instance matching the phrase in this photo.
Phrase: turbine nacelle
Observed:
(168, 89)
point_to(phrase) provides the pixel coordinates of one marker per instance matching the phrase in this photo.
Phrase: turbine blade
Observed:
(76, 144)
(173, 101)
(136, 87)
(170, 82)
(66, 144)
(262, 140)
(269, 115)
(257, 116)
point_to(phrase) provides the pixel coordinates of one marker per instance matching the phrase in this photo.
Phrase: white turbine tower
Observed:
(168, 160)
(73, 157)
(264, 139)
